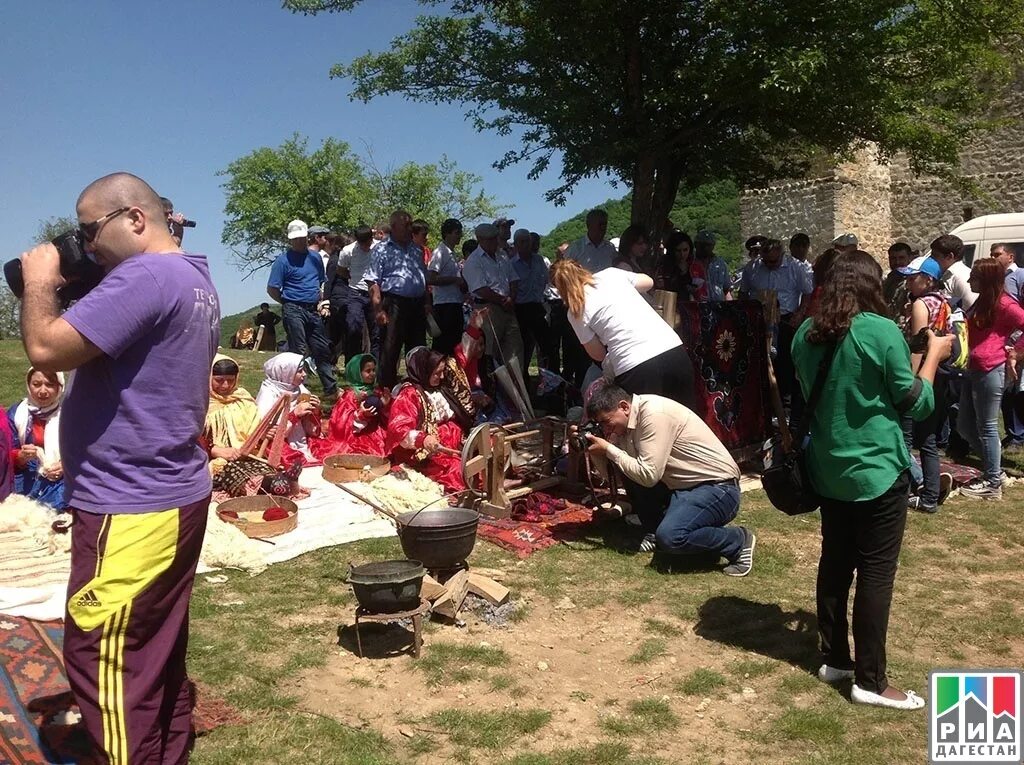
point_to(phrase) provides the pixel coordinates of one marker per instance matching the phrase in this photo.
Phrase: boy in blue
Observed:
(296, 281)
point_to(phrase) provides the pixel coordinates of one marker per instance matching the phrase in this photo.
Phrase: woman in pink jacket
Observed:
(993, 318)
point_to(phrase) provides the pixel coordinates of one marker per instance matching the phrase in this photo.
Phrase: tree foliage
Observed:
(663, 93)
(332, 186)
(51, 228)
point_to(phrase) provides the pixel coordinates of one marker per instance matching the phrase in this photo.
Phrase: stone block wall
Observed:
(781, 210)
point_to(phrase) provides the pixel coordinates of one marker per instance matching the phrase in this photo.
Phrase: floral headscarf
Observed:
(231, 417)
(420, 364)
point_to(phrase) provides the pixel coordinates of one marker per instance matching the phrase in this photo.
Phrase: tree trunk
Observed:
(655, 186)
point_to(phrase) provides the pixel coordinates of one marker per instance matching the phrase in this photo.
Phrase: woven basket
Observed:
(344, 468)
(250, 515)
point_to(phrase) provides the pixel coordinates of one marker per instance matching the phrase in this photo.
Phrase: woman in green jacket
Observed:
(858, 463)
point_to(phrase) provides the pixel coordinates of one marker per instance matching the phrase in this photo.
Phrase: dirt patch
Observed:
(572, 662)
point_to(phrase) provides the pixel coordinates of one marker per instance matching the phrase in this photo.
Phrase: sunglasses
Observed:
(91, 230)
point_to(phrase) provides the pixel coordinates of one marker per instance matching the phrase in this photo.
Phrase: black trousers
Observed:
(669, 374)
(864, 537)
(449, 318)
(406, 327)
(562, 339)
(536, 334)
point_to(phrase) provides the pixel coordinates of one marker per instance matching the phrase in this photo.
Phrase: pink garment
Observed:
(6, 458)
(988, 344)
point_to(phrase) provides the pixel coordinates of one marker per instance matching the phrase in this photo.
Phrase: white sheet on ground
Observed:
(33, 579)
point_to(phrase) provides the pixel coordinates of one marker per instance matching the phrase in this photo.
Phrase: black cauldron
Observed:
(388, 586)
(438, 538)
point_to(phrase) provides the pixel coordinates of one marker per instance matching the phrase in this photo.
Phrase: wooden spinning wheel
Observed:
(486, 458)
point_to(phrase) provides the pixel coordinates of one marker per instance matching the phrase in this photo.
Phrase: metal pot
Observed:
(439, 538)
(388, 586)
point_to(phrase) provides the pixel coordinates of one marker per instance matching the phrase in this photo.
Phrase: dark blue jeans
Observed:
(923, 435)
(358, 314)
(690, 521)
(306, 335)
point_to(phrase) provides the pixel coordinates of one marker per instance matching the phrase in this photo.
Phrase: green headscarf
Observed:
(354, 372)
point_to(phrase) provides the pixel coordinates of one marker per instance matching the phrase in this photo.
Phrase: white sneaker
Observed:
(831, 675)
(859, 696)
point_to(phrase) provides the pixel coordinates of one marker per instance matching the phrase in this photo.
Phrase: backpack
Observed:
(951, 322)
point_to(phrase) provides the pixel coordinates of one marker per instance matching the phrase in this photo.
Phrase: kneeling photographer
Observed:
(142, 342)
(682, 481)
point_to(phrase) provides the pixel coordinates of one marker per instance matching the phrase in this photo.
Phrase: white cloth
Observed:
(481, 270)
(955, 280)
(593, 257)
(50, 455)
(356, 260)
(617, 315)
(443, 263)
(280, 370)
(550, 293)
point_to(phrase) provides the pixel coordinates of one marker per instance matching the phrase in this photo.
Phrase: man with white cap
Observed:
(492, 281)
(296, 282)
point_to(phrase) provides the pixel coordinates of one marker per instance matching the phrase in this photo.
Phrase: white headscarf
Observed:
(50, 414)
(280, 371)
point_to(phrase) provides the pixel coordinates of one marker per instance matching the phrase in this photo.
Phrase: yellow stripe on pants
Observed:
(111, 690)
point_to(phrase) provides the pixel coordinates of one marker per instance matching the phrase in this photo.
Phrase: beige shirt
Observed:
(665, 441)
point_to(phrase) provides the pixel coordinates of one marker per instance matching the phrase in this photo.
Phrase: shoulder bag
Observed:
(786, 482)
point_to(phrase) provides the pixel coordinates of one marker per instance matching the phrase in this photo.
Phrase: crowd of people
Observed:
(902, 363)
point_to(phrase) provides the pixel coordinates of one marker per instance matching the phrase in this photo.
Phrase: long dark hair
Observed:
(853, 286)
(989, 276)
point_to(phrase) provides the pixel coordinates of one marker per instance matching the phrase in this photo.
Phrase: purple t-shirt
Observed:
(130, 423)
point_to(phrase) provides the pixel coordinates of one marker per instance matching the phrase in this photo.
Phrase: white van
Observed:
(979, 234)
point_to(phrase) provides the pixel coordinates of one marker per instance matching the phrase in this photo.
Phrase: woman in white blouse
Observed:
(622, 332)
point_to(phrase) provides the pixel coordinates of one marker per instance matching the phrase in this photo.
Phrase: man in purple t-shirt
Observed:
(141, 344)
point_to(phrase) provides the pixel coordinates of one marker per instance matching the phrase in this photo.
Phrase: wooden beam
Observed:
(477, 464)
(494, 593)
(454, 596)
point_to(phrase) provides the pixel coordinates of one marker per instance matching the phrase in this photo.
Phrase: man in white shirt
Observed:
(683, 483)
(491, 281)
(593, 251)
(445, 277)
(956, 274)
(320, 242)
(349, 293)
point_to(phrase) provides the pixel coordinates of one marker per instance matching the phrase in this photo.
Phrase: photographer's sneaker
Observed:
(744, 562)
(980, 488)
(648, 543)
(916, 503)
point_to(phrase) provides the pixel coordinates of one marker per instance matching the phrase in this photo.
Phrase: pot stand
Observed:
(416, 615)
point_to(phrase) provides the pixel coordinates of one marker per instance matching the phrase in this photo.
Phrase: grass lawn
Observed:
(607, 661)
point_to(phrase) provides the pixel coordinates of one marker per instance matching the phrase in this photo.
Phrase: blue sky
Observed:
(175, 91)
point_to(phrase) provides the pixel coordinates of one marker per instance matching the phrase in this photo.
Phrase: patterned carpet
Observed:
(33, 689)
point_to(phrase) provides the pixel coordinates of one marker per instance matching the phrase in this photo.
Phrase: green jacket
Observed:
(856, 451)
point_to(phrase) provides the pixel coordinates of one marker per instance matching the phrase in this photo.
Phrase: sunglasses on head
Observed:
(89, 231)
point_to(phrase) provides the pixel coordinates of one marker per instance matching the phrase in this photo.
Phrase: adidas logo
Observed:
(88, 599)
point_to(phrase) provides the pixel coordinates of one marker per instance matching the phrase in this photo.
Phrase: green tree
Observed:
(665, 94)
(271, 186)
(51, 228)
(331, 186)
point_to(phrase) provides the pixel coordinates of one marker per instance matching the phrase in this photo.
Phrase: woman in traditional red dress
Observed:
(427, 422)
(359, 419)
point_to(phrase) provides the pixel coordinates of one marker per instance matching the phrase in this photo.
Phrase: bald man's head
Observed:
(124, 190)
(131, 218)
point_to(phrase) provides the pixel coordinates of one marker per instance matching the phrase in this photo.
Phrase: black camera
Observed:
(579, 438)
(80, 273)
(919, 342)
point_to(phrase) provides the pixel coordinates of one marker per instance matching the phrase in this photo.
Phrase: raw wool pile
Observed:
(401, 491)
(33, 521)
(225, 546)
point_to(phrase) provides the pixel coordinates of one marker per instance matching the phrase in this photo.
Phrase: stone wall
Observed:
(782, 210)
(924, 208)
(883, 202)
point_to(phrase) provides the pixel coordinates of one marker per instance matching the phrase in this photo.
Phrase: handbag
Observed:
(786, 482)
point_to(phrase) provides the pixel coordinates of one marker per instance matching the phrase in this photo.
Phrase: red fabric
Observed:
(342, 437)
(524, 537)
(699, 275)
(407, 414)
